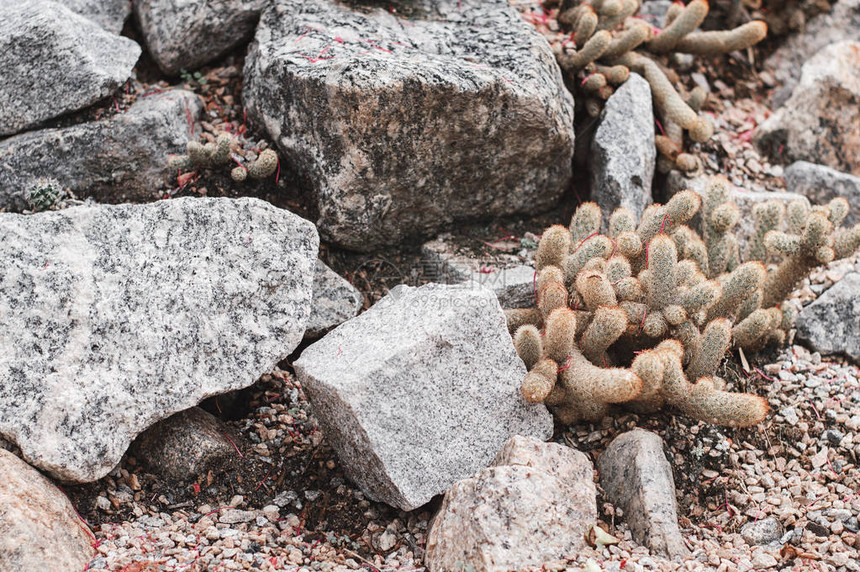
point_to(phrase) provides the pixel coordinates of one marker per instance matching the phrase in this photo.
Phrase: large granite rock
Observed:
(185, 34)
(841, 23)
(622, 151)
(120, 159)
(820, 122)
(636, 477)
(821, 184)
(114, 317)
(55, 61)
(41, 530)
(534, 505)
(831, 324)
(109, 14)
(401, 124)
(419, 391)
(335, 301)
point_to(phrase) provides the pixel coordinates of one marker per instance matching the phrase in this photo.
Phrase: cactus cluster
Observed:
(43, 193)
(217, 153)
(644, 314)
(608, 41)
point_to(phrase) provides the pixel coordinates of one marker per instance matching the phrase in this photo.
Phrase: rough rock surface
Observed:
(636, 477)
(841, 23)
(55, 61)
(534, 505)
(821, 184)
(185, 445)
(109, 14)
(821, 120)
(41, 530)
(185, 34)
(402, 124)
(419, 391)
(622, 151)
(765, 531)
(335, 301)
(120, 159)
(513, 285)
(114, 317)
(831, 324)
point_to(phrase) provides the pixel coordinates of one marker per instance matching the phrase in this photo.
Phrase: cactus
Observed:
(660, 288)
(43, 193)
(210, 155)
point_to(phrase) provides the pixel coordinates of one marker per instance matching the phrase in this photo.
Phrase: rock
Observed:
(335, 301)
(821, 184)
(841, 23)
(120, 159)
(622, 152)
(513, 283)
(654, 12)
(41, 530)
(636, 477)
(745, 200)
(115, 317)
(419, 391)
(403, 124)
(821, 120)
(830, 324)
(188, 34)
(109, 14)
(534, 506)
(764, 531)
(55, 61)
(185, 445)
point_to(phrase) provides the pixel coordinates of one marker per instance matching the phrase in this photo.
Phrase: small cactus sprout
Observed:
(219, 153)
(264, 166)
(681, 301)
(43, 193)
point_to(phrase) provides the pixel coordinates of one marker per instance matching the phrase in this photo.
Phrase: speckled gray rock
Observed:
(114, 317)
(636, 477)
(185, 446)
(419, 391)
(820, 122)
(335, 301)
(763, 531)
(41, 530)
(185, 34)
(622, 151)
(513, 284)
(841, 23)
(533, 506)
(120, 159)
(821, 184)
(831, 324)
(402, 125)
(109, 14)
(55, 61)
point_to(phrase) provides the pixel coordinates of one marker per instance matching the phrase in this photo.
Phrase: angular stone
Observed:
(419, 391)
(114, 317)
(821, 184)
(120, 159)
(41, 530)
(637, 478)
(109, 14)
(403, 123)
(189, 33)
(820, 122)
(335, 301)
(841, 23)
(830, 324)
(185, 445)
(55, 61)
(622, 151)
(533, 506)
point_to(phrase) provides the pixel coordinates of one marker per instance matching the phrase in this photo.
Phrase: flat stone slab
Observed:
(55, 61)
(419, 391)
(831, 324)
(114, 317)
(403, 122)
(109, 14)
(123, 158)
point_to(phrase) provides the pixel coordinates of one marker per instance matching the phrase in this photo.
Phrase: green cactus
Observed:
(43, 193)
